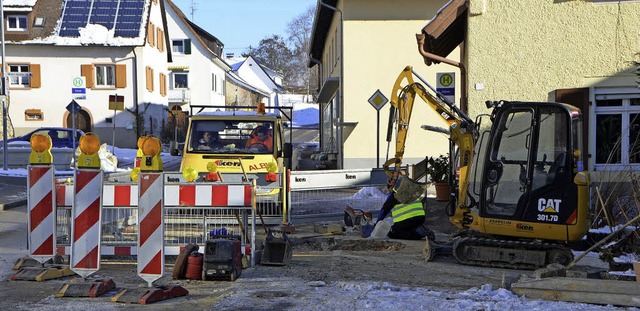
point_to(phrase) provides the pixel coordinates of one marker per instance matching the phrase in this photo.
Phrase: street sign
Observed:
(446, 84)
(116, 102)
(73, 107)
(378, 100)
(78, 88)
(176, 110)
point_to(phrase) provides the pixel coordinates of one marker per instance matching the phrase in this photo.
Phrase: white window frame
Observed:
(177, 48)
(173, 80)
(20, 23)
(19, 75)
(625, 110)
(105, 76)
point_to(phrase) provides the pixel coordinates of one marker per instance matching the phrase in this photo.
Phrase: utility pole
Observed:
(5, 90)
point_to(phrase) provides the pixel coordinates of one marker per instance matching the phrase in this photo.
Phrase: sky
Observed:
(240, 23)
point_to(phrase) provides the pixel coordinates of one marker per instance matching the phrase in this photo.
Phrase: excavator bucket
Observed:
(277, 250)
(409, 190)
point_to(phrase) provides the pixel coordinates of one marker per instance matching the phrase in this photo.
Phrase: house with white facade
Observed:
(197, 73)
(100, 54)
(258, 75)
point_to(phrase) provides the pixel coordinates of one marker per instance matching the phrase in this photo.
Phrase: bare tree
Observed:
(290, 57)
(299, 32)
(274, 53)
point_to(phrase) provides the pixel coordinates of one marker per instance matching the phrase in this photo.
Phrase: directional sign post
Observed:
(378, 100)
(73, 107)
(115, 103)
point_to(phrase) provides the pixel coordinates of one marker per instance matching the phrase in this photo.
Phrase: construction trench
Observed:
(323, 254)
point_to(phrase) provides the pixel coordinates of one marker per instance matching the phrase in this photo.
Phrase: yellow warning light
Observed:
(151, 160)
(151, 146)
(89, 145)
(135, 173)
(40, 142)
(212, 167)
(40, 150)
(190, 173)
(272, 168)
(261, 108)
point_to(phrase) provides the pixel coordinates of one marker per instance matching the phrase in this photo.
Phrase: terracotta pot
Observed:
(442, 192)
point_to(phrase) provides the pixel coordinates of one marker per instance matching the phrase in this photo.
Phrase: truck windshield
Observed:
(231, 137)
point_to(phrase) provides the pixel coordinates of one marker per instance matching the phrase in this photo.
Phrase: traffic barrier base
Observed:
(149, 295)
(26, 262)
(42, 273)
(81, 288)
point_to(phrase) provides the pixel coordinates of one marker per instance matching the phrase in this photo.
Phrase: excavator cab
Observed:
(529, 165)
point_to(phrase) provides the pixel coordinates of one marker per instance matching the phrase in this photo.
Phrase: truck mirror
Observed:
(288, 150)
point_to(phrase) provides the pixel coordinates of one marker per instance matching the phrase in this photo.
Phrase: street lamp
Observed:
(5, 91)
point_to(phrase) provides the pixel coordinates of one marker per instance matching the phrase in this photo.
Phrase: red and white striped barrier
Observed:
(120, 195)
(41, 209)
(86, 226)
(150, 227)
(64, 195)
(208, 195)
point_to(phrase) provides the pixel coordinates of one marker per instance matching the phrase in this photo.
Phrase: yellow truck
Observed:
(243, 143)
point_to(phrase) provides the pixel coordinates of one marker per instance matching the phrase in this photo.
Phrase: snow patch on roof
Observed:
(91, 34)
(19, 2)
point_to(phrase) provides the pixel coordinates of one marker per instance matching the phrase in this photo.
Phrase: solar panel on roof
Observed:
(123, 15)
(129, 18)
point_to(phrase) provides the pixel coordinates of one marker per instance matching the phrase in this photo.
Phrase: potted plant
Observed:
(438, 170)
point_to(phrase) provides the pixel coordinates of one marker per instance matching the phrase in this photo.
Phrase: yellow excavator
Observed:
(521, 194)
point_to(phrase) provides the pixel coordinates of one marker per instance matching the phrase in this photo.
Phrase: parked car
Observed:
(61, 137)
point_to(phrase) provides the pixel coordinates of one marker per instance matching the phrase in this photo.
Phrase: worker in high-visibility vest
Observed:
(408, 218)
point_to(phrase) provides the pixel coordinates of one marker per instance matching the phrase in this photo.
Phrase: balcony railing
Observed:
(179, 96)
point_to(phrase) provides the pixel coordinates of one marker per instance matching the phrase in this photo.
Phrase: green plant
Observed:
(438, 169)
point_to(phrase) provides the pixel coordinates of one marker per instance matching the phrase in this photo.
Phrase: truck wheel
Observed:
(233, 274)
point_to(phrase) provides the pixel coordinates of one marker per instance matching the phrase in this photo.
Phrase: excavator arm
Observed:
(462, 134)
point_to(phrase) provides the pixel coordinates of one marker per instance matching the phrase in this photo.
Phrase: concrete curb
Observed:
(6, 206)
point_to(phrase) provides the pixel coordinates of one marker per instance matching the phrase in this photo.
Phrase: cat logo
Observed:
(549, 205)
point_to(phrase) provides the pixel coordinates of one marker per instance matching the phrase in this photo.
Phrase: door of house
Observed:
(83, 121)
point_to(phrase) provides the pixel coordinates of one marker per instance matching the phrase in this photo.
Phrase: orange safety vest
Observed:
(253, 140)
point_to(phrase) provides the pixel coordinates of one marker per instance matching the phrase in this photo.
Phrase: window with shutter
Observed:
(87, 72)
(187, 46)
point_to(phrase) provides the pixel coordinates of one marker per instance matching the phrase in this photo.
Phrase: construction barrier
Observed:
(41, 219)
(151, 227)
(86, 229)
(191, 212)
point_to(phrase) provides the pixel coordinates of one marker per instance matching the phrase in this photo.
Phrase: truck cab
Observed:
(243, 143)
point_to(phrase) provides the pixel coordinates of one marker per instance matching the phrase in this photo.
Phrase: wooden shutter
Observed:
(160, 40)
(151, 32)
(187, 46)
(87, 72)
(578, 97)
(35, 75)
(163, 84)
(121, 76)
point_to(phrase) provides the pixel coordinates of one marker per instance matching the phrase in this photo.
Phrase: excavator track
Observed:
(511, 254)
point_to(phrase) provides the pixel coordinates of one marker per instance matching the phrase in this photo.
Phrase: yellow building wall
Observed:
(379, 43)
(526, 49)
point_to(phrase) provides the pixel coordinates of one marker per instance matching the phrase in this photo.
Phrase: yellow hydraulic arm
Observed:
(462, 130)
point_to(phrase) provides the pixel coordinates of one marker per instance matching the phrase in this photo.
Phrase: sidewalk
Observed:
(13, 192)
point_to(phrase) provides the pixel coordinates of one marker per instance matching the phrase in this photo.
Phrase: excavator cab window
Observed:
(506, 169)
(529, 163)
